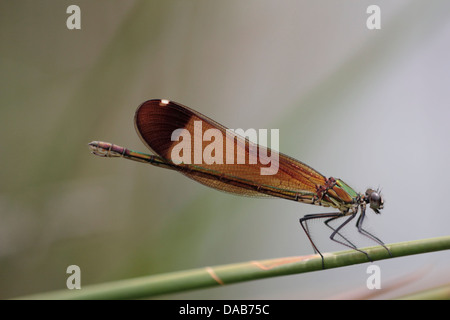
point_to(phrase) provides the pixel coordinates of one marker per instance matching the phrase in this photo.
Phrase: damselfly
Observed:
(161, 125)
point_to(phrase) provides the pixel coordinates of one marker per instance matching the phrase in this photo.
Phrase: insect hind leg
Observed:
(304, 224)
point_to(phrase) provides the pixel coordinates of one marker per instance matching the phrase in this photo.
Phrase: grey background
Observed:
(370, 107)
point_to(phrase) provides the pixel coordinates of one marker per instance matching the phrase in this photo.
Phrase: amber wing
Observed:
(156, 121)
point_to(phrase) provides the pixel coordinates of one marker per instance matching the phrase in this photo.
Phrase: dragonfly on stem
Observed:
(163, 124)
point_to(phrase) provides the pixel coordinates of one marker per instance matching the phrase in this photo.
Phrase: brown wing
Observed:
(156, 121)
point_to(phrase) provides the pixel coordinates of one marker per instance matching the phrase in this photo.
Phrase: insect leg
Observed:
(359, 223)
(304, 224)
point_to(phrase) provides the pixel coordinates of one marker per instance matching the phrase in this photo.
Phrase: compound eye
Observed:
(375, 201)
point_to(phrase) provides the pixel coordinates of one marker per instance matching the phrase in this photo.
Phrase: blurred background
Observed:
(368, 106)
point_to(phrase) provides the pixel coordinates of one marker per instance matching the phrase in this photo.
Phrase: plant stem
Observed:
(148, 286)
(438, 293)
